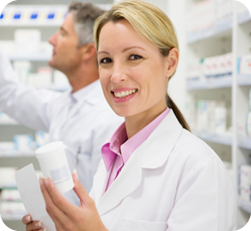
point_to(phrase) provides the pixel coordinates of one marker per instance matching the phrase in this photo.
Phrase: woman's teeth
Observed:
(123, 94)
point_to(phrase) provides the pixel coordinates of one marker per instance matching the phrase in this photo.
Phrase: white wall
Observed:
(162, 4)
(175, 10)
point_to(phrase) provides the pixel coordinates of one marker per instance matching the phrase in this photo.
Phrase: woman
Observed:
(155, 175)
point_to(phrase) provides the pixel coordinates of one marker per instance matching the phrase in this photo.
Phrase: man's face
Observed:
(66, 55)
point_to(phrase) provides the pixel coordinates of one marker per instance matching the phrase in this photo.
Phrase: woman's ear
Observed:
(172, 61)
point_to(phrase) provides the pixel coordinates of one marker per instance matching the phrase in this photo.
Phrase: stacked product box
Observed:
(245, 183)
(248, 118)
(214, 15)
(212, 117)
(244, 65)
(209, 116)
(210, 67)
(203, 10)
(218, 66)
(11, 206)
(33, 14)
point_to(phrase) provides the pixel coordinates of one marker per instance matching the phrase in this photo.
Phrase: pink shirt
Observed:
(117, 152)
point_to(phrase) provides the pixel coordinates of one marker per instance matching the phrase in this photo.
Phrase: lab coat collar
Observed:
(152, 154)
(89, 93)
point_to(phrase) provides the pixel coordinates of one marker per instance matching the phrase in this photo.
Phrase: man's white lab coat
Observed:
(172, 182)
(83, 120)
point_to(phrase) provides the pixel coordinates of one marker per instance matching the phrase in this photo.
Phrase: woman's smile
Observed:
(123, 95)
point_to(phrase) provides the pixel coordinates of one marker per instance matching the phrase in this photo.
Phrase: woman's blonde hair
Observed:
(150, 22)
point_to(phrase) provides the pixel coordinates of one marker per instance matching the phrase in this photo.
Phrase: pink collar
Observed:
(121, 145)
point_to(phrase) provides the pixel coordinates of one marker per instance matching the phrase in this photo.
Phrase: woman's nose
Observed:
(118, 74)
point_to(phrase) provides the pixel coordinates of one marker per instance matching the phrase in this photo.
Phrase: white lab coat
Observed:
(83, 120)
(172, 182)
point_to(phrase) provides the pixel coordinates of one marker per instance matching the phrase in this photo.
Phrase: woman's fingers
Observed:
(26, 219)
(32, 225)
(52, 205)
(79, 189)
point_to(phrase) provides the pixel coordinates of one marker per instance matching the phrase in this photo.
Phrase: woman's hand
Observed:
(32, 225)
(67, 216)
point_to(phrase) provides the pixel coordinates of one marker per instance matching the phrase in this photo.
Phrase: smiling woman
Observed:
(157, 33)
(155, 175)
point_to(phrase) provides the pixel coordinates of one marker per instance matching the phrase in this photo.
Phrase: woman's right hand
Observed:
(32, 225)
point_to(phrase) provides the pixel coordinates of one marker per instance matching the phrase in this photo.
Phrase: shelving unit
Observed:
(232, 35)
(30, 57)
(210, 83)
(17, 154)
(225, 139)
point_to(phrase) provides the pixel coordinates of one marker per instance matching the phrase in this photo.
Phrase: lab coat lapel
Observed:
(152, 154)
(127, 181)
(100, 181)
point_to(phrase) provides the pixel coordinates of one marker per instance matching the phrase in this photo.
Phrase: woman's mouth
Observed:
(123, 94)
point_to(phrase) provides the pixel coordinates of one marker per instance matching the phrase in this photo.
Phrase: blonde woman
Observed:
(155, 175)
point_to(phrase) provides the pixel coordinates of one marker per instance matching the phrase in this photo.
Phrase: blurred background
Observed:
(212, 85)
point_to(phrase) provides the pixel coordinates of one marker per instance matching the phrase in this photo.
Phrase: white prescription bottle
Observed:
(53, 163)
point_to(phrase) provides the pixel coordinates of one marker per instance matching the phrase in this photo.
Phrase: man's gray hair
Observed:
(84, 15)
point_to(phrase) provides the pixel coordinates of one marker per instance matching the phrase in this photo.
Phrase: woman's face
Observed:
(133, 73)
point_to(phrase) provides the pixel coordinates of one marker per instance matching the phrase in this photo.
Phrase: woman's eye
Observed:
(105, 60)
(134, 57)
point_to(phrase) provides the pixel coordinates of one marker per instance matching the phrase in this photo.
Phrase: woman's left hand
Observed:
(67, 216)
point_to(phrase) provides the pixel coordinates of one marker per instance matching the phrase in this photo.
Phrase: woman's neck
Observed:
(137, 122)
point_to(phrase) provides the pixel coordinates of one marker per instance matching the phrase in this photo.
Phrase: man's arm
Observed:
(25, 104)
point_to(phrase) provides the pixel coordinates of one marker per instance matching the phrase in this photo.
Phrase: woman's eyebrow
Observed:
(126, 49)
(103, 52)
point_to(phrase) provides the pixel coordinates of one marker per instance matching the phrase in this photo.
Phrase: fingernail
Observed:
(75, 175)
(28, 218)
(38, 224)
(41, 180)
(46, 181)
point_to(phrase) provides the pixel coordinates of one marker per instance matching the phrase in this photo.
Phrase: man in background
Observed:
(80, 117)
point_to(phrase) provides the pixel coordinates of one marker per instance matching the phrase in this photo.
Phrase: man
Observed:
(80, 117)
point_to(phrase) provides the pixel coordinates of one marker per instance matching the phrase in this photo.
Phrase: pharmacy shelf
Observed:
(244, 205)
(13, 186)
(17, 154)
(244, 142)
(37, 15)
(243, 17)
(8, 123)
(30, 57)
(225, 139)
(12, 217)
(211, 31)
(244, 80)
(209, 83)
(31, 24)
